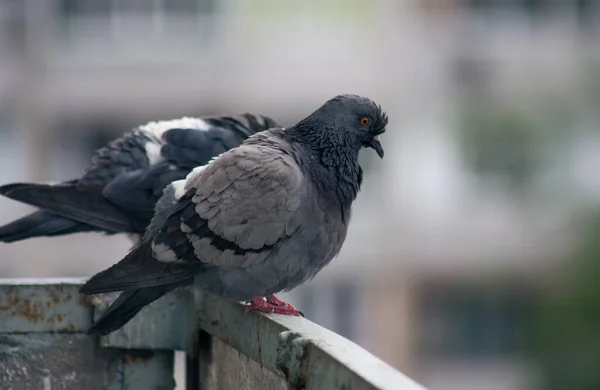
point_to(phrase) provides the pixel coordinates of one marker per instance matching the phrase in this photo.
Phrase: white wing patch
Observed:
(165, 254)
(155, 130)
(196, 171)
(153, 152)
(178, 189)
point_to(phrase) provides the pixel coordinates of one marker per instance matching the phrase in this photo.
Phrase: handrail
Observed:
(310, 356)
(300, 352)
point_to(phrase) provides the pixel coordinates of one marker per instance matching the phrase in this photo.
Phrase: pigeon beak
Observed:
(375, 143)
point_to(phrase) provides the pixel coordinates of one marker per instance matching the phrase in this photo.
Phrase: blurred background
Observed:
(473, 258)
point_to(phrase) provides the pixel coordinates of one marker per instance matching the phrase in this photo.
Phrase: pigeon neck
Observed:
(344, 162)
(338, 160)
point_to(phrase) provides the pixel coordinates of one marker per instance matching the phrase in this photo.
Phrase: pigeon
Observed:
(119, 189)
(259, 219)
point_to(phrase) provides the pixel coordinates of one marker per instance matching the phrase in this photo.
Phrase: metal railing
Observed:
(43, 345)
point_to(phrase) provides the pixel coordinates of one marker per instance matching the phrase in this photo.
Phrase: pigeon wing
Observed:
(234, 211)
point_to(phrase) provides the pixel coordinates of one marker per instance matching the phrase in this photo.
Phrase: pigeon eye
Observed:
(364, 121)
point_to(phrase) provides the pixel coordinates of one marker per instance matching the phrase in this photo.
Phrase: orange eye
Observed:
(364, 121)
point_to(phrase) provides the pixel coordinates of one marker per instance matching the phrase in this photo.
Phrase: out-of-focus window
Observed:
(71, 8)
(336, 305)
(91, 7)
(586, 10)
(463, 322)
(12, 26)
(136, 23)
(98, 8)
(12, 158)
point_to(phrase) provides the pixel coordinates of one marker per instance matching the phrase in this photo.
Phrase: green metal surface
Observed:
(148, 370)
(43, 345)
(57, 361)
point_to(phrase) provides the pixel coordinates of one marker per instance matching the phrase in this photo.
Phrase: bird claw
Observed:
(272, 304)
(273, 300)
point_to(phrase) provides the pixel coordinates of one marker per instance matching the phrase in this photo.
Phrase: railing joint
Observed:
(292, 357)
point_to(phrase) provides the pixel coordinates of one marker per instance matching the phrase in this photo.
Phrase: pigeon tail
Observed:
(126, 306)
(80, 202)
(143, 280)
(139, 270)
(41, 224)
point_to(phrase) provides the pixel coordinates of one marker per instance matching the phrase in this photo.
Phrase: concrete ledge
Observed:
(303, 354)
(308, 355)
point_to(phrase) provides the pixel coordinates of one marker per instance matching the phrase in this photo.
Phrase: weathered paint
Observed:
(73, 361)
(229, 369)
(55, 305)
(40, 306)
(57, 361)
(43, 344)
(148, 370)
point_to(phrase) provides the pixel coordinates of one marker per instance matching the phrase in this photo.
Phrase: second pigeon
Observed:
(119, 189)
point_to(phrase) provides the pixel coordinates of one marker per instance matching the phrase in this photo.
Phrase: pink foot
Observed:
(272, 304)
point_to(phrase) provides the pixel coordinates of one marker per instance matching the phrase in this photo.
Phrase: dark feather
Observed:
(124, 154)
(83, 203)
(39, 224)
(126, 306)
(136, 193)
(138, 270)
(191, 148)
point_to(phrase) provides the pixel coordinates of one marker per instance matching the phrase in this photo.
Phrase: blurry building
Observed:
(441, 263)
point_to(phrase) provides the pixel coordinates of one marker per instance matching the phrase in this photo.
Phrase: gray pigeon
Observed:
(119, 190)
(261, 218)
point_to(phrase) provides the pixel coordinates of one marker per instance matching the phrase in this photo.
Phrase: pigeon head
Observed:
(349, 120)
